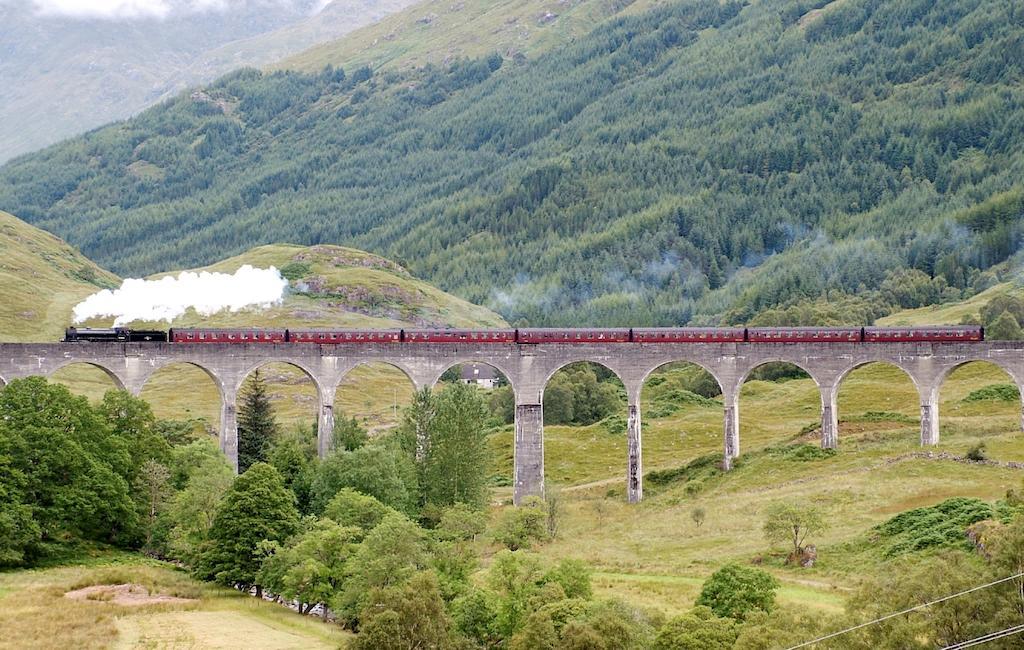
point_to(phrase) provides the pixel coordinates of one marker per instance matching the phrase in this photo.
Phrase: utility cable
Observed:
(985, 638)
(905, 611)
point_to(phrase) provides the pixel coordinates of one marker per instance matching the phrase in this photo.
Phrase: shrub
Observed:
(941, 525)
(994, 392)
(734, 591)
(977, 452)
(521, 526)
(698, 629)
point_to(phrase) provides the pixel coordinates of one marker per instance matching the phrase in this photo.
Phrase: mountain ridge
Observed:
(694, 162)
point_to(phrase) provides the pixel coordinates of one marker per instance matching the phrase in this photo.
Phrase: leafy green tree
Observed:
(349, 435)
(455, 461)
(698, 629)
(475, 614)
(417, 421)
(461, 523)
(735, 590)
(537, 633)
(1004, 328)
(310, 568)
(522, 526)
(257, 507)
(152, 490)
(516, 577)
(293, 455)
(380, 470)
(793, 523)
(63, 467)
(405, 617)
(206, 478)
(574, 577)
(390, 554)
(502, 403)
(257, 425)
(353, 509)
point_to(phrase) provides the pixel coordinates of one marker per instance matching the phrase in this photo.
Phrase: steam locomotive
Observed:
(534, 335)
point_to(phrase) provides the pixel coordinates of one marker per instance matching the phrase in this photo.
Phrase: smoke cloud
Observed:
(167, 298)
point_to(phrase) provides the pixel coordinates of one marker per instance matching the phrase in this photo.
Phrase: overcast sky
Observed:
(130, 9)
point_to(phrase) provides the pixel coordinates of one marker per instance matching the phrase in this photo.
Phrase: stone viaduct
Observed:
(528, 368)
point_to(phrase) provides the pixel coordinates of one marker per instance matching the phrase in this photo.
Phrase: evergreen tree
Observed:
(258, 507)
(257, 425)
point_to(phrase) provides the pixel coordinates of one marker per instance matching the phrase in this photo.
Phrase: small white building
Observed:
(482, 375)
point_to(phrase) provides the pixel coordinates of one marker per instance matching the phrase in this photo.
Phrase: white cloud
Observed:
(169, 297)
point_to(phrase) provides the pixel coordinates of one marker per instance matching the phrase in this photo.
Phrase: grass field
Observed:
(35, 613)
(650, 554)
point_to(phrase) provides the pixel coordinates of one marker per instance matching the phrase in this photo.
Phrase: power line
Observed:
(992, 636)
(905, 611)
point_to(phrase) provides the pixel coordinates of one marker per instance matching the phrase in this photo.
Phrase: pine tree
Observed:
(257, 425)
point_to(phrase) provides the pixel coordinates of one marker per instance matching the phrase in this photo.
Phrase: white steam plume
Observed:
(167, 298)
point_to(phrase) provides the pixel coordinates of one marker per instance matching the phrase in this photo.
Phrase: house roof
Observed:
(478, 371)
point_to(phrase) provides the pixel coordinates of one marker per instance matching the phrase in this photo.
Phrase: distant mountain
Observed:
(691, 161)
(61, 75)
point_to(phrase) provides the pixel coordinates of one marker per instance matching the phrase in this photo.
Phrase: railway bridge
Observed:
(528, 368)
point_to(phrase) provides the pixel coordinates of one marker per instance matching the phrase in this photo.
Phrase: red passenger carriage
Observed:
(904, 334)
(688, 335)
(803, 334)
(554, 335)
(179, 335)
(330, 337)
(460, 336)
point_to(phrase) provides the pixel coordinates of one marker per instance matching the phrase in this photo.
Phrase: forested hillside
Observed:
(696, 161)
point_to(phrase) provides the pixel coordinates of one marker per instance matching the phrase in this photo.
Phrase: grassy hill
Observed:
(952, 313)
(436, 32)
(41, 280)
(678, 162)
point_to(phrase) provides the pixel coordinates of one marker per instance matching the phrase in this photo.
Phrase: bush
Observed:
(941, 525)
(734, 591)
(698, 468)
(521, 526)
(994, 392)
(698, 629)
(977, 452)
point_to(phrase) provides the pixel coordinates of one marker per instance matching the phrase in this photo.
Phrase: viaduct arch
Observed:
(528, 368)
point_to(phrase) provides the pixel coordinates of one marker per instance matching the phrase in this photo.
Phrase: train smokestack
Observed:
(169, 297)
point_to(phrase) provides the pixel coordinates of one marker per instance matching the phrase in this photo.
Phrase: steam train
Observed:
(534, 335)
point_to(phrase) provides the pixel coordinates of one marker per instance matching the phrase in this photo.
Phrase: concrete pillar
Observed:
(325, 428)
(528, 455)
(634, 472)
(731, 429)
(930, 420)
(229, 428)
(829, 418)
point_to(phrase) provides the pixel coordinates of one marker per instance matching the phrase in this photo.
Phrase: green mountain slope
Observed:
(435, 32)
(688, 161)
(41, 280)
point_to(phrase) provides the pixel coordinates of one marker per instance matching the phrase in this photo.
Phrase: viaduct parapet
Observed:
(528, 368)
